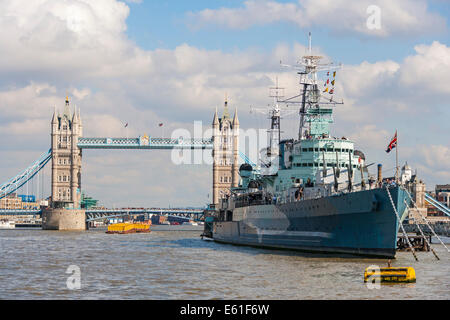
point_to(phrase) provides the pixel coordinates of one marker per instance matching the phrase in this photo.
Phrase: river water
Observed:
(179, 265)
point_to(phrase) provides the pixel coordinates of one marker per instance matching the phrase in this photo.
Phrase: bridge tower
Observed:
(66, 158)
(225, 154)
(65, 212)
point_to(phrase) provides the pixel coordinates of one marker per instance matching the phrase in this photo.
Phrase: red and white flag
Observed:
(393, 143)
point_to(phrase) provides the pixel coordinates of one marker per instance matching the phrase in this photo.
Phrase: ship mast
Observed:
(275, 124)
(311, 113)
(275, 113)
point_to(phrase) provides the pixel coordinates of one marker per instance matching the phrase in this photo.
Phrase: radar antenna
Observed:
(311, 98)
(275, 114)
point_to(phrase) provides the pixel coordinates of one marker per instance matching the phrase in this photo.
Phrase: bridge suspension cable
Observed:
(18, 181)
(437, 204)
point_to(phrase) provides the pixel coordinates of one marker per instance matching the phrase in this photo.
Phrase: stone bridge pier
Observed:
(65, 212)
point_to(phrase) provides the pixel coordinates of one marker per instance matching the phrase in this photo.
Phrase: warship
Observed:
(313, 192)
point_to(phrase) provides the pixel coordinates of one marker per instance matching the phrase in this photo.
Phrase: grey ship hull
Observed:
(361, 223)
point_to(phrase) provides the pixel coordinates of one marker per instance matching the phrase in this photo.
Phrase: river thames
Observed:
(179, 265)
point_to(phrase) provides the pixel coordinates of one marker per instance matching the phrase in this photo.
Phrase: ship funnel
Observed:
(380, 177)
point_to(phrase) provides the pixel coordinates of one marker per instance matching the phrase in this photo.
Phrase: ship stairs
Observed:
(425, 220)
(401, 225)
(419, 242)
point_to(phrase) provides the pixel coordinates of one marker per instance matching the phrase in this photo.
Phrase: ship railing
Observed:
(246, 203)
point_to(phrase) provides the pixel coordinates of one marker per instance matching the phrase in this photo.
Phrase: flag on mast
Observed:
(392, 144)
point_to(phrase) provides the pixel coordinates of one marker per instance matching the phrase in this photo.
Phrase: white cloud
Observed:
(437, 156)
(84, 52)
(31, 101)
(27, 127)
(76, 38)
(406, 17)
(414, 87)
(429, 69)
(431, 161)
(370, 136)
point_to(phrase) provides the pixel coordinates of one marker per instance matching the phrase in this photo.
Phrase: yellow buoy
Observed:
(390, 275)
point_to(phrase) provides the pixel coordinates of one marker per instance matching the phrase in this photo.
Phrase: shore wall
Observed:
(440, 229)
(64, 220)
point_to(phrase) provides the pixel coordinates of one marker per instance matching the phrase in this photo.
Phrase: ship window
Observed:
(322, 149)
(338, 149)
(330, 149)
(304, 164)
(310, 164)
(305, 149)
(311, 149)
(316, 149)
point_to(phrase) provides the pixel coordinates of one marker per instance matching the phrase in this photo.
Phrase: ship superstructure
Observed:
(315, 194)
(297, 162)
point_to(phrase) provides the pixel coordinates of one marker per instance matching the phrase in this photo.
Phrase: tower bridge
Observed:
(67, 144)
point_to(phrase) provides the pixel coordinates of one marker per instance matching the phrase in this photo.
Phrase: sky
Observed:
(149, 62)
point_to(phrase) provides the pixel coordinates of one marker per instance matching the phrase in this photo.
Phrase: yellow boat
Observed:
(390, 275)
(123, 228)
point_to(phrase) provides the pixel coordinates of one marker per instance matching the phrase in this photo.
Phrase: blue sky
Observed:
(162, 24)
(147, 62)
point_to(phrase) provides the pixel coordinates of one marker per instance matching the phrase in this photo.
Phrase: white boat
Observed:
(190, 223)
(7, 224)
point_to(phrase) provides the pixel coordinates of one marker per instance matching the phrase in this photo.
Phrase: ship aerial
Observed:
(313, 192)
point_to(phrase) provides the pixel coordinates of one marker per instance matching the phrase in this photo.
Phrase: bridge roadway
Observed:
(144, 143)
(100, 214)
